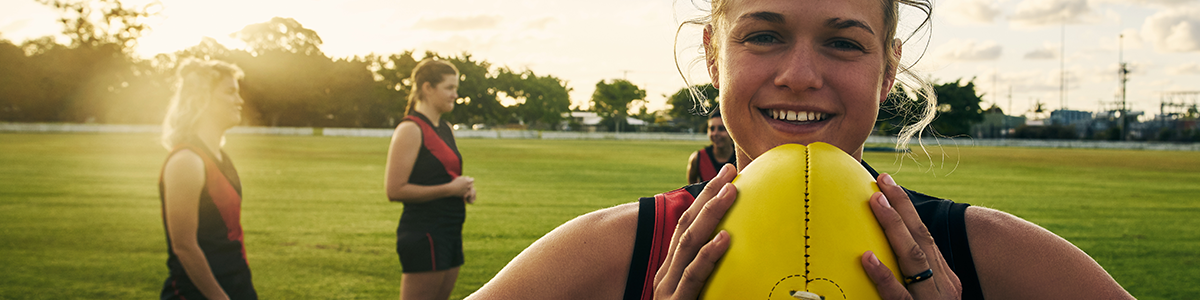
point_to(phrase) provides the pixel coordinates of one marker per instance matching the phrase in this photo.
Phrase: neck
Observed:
(210, 135)
(430, 112)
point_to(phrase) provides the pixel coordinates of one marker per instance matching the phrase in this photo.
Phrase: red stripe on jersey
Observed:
(668, 207)
(438, 147)
(707, 170)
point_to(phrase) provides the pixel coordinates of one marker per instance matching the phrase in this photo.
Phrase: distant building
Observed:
(1066, 117)
(995, 125)
(591, 121)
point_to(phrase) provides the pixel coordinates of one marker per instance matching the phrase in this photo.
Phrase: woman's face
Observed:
(442, 95)
(226, 107)
(799, 71)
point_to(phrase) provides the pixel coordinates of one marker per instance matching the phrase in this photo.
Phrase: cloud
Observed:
(1185, 69)
(1045, 52)
(458, 23)
(960, 50)
(1037, 13)
(540, 23)
(973, 11)
(1165, 3)
(458, 44)
(1174, 30)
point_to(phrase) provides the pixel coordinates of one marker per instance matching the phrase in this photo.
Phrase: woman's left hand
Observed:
(915, 250)
(469, 198)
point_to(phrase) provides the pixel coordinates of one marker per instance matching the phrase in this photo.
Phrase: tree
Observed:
(280, 34)
(688, 112)
(958, 108)
(541, 99)
(611, 100)
(477, 91)
(94, 79)
(96, 23)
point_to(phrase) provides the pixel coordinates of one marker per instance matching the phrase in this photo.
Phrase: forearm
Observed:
(196, 265)
(415, 193)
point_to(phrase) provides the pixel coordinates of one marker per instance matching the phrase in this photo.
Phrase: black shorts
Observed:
(427, 251)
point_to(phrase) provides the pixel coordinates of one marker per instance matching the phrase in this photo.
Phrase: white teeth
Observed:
(797, 116)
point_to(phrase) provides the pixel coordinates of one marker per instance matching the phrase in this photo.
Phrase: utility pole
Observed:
(1062, 67)
(1123, 77)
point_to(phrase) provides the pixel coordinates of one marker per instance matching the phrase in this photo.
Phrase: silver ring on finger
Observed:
(919, 277)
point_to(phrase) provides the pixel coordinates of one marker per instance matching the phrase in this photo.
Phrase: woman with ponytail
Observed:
(424, 171)
(199, 188)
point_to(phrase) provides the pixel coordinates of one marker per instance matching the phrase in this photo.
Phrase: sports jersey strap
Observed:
(707, 170)
(657, 218)
(438, 147)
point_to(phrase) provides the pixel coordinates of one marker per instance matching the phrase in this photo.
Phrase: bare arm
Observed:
(183, 179)
(586, 258)
(1016, 259)
(402, 154)
(693, 173)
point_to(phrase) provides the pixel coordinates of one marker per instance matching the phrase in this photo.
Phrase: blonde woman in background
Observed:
(199, 188)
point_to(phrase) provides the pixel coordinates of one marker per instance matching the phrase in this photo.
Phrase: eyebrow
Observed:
(764, 16)
(837, 23)
(843, 24)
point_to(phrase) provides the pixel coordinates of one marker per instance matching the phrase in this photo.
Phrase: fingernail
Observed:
(884, 201)
(724, 190)
(874, 260)
(887, 179)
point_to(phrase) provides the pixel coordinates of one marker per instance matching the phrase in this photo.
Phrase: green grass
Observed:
(80, 215)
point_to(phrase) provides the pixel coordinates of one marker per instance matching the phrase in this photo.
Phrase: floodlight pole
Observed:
(1124, 77)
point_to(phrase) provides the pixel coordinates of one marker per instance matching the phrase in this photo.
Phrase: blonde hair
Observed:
(196, 80)
(427, 71)
(920, 117)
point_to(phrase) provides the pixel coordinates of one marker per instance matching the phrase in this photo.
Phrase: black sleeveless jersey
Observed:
(443, 215)
(218, 230)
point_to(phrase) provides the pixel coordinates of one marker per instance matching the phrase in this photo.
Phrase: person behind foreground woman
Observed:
(199, 188)
(424, 172)
(802, 71)
(704, 163)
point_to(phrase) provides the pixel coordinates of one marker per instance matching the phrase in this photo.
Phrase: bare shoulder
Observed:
(183, 165)
(585, 258)
(408, 128)
(1017, 259)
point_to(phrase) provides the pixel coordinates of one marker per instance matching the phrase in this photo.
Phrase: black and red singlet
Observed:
(438, 162)
(218, 231)
(708, 164)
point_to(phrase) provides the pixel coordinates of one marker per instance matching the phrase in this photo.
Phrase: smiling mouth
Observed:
(792, 116)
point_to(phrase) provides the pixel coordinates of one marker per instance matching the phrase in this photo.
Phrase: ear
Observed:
(710, 57)
(889, 73)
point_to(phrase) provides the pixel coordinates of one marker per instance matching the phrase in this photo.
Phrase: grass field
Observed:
(79, 213)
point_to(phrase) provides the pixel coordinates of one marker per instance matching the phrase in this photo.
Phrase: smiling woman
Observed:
(802, 72)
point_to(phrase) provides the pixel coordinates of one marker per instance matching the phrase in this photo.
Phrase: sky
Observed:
(1016, 51)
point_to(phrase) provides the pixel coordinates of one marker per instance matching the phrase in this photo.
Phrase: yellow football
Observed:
(800, 224)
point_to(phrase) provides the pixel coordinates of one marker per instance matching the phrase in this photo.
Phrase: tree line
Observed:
(289, 81)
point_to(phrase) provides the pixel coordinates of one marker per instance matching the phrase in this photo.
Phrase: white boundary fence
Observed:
(572, 135)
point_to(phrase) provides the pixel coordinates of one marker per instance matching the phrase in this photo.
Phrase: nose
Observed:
(799, 70)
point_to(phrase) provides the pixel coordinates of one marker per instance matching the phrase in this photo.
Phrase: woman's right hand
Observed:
(692, 256)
